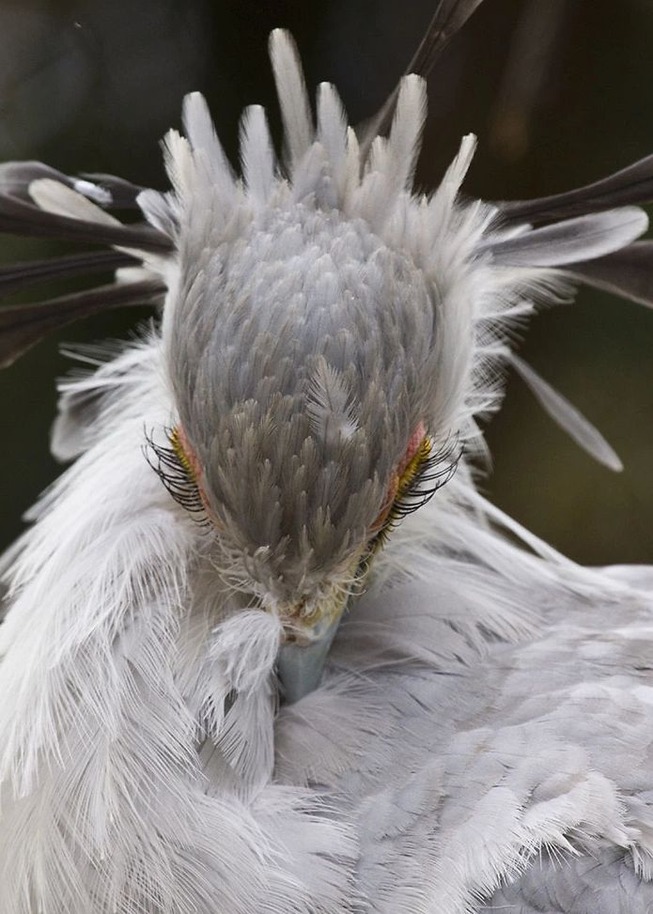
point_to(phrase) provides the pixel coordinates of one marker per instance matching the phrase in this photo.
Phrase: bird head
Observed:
(302, 362)
(296, 362)
(302, 344)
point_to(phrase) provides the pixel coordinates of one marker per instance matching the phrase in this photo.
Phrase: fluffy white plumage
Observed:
(482, 736)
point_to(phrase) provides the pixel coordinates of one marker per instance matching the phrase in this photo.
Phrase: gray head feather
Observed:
(304, 304)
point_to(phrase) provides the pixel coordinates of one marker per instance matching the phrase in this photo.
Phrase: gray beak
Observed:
(300, 666)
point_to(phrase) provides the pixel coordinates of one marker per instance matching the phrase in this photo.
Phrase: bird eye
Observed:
(427, 471)
(174, 469)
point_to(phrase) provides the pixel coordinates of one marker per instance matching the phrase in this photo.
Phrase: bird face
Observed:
(298, 357)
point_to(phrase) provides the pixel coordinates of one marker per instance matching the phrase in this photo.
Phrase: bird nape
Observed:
(249, 663)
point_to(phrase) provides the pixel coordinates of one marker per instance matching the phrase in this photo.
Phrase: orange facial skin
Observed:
(403, 474)
(186, 454)
(188, 459)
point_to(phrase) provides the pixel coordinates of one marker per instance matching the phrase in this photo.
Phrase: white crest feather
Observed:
(257, 154)
(332, 133)
(406, 134)
(214, 177)
(289, 79)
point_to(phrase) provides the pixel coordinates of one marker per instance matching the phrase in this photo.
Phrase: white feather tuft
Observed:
(295, 109)
(332, 134)
(206, 145)
(406, 134)
(257, 155)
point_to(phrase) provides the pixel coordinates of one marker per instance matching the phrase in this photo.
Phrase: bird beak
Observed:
(300, 664)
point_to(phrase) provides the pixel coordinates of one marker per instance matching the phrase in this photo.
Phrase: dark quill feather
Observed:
(448, 19)
(21, 326)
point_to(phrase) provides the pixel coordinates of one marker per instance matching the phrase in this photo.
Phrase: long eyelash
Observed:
(434, 471)
(175, 474)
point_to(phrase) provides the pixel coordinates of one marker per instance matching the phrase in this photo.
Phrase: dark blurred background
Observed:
(559, 93)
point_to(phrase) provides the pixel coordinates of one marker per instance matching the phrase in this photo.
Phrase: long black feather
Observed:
(20, 275)
(16, 177)
(18, 217)
(109, 191)
(21, 326)
(633, 184)
(448, 19)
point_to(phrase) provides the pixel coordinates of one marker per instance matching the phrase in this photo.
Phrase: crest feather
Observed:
(257, 154)
(291, 89)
